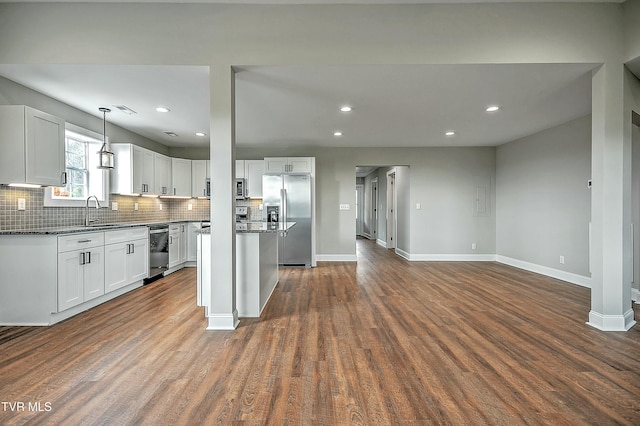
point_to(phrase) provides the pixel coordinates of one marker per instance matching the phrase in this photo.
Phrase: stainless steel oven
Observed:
(158, 249)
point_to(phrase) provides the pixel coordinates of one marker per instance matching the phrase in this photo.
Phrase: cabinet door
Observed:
(174, 249)
(240, 169)
(94, 273)
(192, 241)
(162, 174)
(115, 261)
(181, 177)
(44, 141)
(275, 165)
(199, 175)
(138, 261)
(143, 171)
(183, 243)
(70, 279)
(299, 165)
(254, 169)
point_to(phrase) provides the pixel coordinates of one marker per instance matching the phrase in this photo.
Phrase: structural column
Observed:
(222, 314)
(610, 248)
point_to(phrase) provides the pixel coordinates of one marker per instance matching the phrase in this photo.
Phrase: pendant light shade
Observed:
(106, 157)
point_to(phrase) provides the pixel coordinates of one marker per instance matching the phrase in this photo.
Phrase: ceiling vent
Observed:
(173, 134)
(125, 109)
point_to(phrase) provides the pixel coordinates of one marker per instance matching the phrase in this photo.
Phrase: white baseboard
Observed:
(611, 322)
(381, 243)
(223, 321)
(337, 258)
(545, 270)
(451, 257)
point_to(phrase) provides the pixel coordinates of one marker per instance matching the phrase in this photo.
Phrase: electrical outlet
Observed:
(562, 260)
(473, 246)
(135, 206)
(260, 207)
(114, 205)
(22, 204)
(418, 206)
(190, 207)
(160, 206)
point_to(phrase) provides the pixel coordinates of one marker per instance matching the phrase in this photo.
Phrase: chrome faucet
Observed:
(86, 209)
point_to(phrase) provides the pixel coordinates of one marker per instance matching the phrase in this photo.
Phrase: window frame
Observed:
(50, 201)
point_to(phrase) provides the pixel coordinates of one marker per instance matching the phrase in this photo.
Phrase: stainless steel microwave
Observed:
(241, 188)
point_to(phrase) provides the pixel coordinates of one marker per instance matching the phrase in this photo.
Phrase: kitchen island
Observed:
(256, 265)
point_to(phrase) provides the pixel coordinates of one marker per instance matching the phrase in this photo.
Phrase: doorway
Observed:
(373, 212)
(359, 209)
(391, 209)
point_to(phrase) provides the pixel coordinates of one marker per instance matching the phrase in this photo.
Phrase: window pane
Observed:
(76, 161)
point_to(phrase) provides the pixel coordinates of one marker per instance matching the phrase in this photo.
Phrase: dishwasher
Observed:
(158, 250)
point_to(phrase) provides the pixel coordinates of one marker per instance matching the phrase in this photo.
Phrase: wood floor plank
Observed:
(382, 341)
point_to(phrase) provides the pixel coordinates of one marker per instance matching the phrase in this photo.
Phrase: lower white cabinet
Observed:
(192, 241)
(80, 269)
(80, 276)
(126, 257)
(177, 245)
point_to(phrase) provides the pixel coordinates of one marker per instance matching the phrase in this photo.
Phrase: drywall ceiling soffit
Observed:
(297, 106)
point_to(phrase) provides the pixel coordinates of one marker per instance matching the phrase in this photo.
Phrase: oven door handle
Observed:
(159, 231)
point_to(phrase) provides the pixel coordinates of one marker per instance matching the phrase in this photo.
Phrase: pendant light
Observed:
(106, 157)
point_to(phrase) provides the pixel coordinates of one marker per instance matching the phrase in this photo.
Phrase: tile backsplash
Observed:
(36, 215)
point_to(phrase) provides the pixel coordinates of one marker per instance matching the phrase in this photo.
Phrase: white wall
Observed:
(543, 203)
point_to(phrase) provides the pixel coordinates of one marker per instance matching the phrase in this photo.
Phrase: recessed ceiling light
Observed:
(346, 108)
(338, 133)
(449, 133)
(200, 134)
(162, 109)
(492, 108)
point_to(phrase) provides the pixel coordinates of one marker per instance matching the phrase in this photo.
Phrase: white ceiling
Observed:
(283, 106)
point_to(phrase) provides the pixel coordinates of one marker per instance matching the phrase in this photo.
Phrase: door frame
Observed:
(359, 209)
(392, 210)
(373, 213)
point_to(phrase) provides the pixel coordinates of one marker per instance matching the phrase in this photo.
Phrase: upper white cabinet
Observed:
(181, 177)
(31, 147)
(288, 165)
(253, 170)
(134, 171)
(162, 174)
(199, 175)
(240, 169)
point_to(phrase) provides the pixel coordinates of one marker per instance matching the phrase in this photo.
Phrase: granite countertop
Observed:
(90, 228)
(257, 227)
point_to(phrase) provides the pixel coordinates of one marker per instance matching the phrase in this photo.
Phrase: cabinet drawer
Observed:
(80, 241)
(124, 235)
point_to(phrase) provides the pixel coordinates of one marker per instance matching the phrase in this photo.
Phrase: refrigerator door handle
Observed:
(283, 204)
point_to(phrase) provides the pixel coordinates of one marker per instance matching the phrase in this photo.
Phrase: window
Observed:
(83, 176)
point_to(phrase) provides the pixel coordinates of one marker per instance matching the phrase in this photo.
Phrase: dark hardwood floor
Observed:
(383, 341)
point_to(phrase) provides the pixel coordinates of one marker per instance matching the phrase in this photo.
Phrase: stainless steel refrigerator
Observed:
(287, 198)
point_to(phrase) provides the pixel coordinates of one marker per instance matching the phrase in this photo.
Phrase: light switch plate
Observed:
(135, 206)
(22, 204)
(345, 206)
(114, 205)
(418, 206)
(190, 207)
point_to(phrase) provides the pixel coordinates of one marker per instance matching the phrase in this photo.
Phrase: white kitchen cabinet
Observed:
(162, 174)
(192, 241)
(181, 177)
(134, 171)
(288, 165)
(126, 257)
(240, 169)
(32, 147)
(199, 175)
(253, 170)
(177, 245)
(80, 269)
